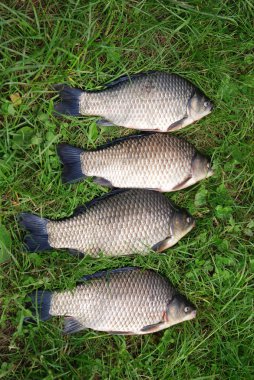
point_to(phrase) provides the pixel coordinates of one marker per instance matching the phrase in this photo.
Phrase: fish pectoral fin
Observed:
(152, 328)
(104, 123)
(162, 245)
(121, 332)
(178, 124)
(182, 184)
(72, 325)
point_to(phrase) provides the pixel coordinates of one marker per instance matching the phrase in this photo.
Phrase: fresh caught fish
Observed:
(124, 301)
(155, 161)
(153, 101)
(122, 222)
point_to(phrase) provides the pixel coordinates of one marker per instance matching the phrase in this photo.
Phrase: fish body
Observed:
(122, 301)
(156, 161)
(121, 223)
(153, 101)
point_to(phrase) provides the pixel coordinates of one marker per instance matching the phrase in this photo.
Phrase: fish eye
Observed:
(206, 104)
(188, 219)
(186, 309)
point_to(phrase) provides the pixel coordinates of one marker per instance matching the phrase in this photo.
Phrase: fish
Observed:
(124, 301)
(151, 101)
(155, 161)
(122, 222)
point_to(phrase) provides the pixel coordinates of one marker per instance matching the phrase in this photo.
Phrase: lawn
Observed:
(86, 44)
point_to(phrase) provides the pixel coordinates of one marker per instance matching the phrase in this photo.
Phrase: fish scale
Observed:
(154, 161)
(119, 301)
(126, 301)
(158, 99)
(138, 219)
(122, 222)
(146, 101)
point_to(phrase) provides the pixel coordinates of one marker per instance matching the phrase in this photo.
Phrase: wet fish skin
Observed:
(122, 301)
(156, 161)
(121, 223)
(153, 101)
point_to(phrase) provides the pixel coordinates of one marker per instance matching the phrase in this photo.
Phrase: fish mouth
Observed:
(193, 224)
(210, 173)
(210, 106)
(193, 314)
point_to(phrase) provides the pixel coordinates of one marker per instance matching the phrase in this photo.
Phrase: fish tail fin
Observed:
(69, 100)
(40, 304)
(71, 160)
(37, 238)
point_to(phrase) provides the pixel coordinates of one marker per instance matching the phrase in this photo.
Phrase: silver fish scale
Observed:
(124, 301)
(147, 101)
(128, 222)
(156, 161)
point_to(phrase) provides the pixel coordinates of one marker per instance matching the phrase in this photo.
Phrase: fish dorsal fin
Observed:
(105, 273)
(128, 78)
(81, 209)
(97, 200)
(119, 140)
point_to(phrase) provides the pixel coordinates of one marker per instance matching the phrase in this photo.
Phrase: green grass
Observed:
(86, 44)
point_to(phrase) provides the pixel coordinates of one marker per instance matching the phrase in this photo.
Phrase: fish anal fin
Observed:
(104, 123)
(102, 181)
(72, 325)
(76, 253)
(162, 245)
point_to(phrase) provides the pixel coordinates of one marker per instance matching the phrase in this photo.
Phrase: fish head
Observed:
(179, 309)
(182, 223)
(201, 168)
(199, 106)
